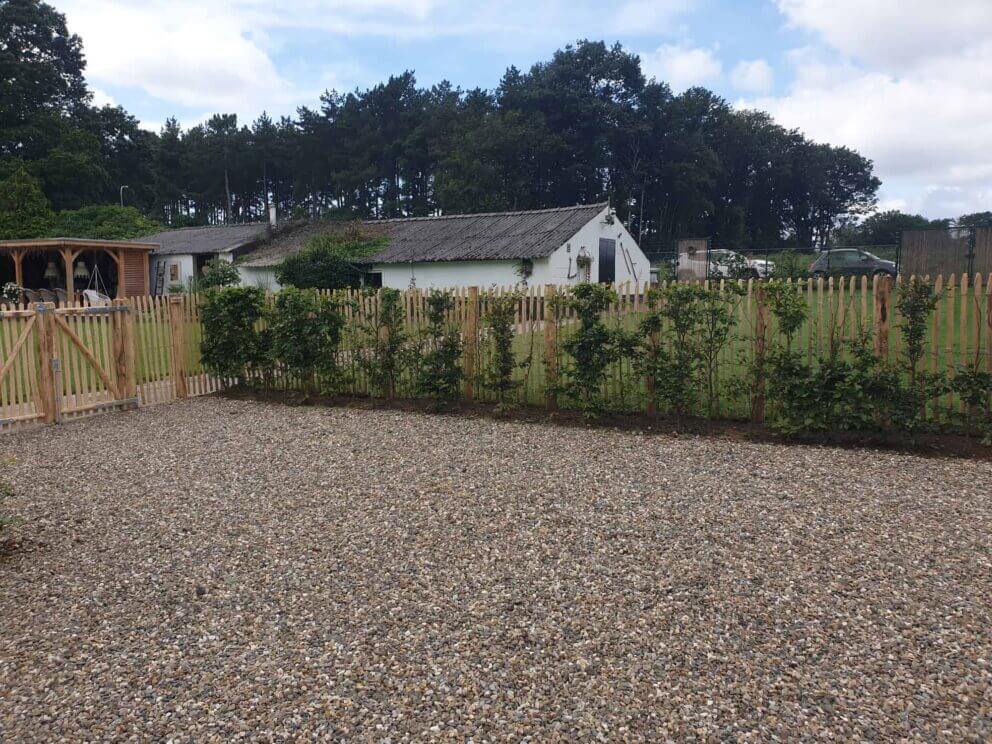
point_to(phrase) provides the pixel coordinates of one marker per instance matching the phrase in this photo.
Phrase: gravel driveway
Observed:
(215, 568)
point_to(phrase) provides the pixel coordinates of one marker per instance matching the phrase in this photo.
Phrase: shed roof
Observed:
(209, 239)
(82, 243)
(483, 237)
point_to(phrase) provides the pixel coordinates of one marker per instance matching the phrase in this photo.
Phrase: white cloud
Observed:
(906, 83)
(681, 65)
(890, 32)
(192, 55)
(639, 16)
(752, 76)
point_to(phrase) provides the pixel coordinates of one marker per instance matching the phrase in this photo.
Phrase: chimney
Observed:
(272, 215)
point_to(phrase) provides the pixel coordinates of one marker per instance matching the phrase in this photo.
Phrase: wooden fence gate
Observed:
(61, 363)
(20, 393)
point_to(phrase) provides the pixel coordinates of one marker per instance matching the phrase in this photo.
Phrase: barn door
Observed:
(607, 261)
(90, 360)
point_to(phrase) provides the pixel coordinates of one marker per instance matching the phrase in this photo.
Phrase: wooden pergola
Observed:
(130, 257)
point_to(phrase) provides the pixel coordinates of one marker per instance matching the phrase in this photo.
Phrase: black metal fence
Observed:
(954, 250)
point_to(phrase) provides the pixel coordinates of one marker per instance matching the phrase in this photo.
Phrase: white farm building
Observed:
(547, 246)
(563, 245)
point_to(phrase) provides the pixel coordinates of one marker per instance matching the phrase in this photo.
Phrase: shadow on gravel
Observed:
(929, 445)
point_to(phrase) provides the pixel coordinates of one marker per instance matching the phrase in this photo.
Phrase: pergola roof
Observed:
(77, 243)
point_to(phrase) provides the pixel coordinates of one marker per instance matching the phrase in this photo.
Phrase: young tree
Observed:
(24, 210)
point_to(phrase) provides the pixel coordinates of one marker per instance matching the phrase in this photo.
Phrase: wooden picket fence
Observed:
(64, 363)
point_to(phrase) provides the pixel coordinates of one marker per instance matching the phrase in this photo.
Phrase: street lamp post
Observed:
(122, 193)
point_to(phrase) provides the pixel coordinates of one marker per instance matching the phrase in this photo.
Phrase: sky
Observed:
(908, 83)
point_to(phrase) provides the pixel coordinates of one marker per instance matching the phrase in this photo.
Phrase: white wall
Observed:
(562, 268)
(558, 268)
(441, 274)
(259, 277)
(185, 264)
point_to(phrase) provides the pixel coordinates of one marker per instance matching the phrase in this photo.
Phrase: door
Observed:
(607, 261)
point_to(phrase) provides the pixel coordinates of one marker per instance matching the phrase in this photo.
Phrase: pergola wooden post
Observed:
(18, 257)
(67, 259)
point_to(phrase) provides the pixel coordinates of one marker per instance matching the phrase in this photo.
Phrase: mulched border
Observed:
(939, 445)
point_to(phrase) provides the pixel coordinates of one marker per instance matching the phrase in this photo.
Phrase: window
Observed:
(373, 279)
(173, 272)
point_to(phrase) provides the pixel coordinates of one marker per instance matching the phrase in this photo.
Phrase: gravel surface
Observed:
(214, 569)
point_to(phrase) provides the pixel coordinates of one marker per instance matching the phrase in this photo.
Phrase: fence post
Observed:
(45, 326)
(471, 331)
(177, 332)
(760, 350)
(550, 348)
(124, 353)
(882, 295)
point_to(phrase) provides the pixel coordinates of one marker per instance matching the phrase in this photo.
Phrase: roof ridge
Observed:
(210, 227)
(473, 215)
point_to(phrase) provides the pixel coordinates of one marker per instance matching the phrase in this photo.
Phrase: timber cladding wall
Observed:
(135, 271)
(933, 252)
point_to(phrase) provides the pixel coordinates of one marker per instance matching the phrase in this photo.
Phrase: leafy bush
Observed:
(864, 393)
(104, 222)
(682, 335)
(233, 346)
(974, 386)
(305, 331)
(591, 348)
(24, 209)
(916, 302)
(329, 260)
(790, 265)
(219, 273)
(500, 314)
(384, 338)
(439, 370)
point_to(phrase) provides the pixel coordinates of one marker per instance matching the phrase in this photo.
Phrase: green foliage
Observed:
(788, 306)
(500, 315)
(438, 367)
(385, 341)
(103, 223)
(590, 349)
(860, 394)
(305, 329)
(790, 264)
(329, 260)
(218, 273)
(24, 210)
(974, 386)
(916, 302)
(682, 335)
(233, 347)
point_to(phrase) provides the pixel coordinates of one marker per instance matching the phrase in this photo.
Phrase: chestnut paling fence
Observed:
(58, 364)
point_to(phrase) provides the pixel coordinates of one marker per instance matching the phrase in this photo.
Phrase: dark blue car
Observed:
(851, 262)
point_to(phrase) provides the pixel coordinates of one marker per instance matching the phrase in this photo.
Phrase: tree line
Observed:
(582, 127)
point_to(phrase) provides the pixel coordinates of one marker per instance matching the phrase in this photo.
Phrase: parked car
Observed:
(723, 264)
(850, 262)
